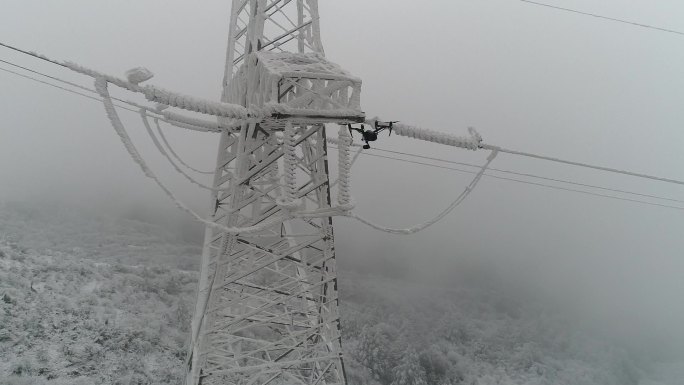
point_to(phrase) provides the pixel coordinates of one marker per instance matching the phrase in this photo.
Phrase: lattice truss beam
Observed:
(267, 309)
(304, 86)
(271, 26)
(271, 316)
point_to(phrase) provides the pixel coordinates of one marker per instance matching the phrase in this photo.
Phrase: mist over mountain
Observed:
(87, 298)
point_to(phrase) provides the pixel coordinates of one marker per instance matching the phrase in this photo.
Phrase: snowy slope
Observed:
(69, 320)
(82, 233)
(471, 336)
(90, 300)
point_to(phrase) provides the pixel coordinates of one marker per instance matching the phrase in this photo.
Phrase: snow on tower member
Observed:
(289, 201)
(344, 199)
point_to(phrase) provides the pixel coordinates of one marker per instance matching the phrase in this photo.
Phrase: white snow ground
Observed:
(88, 300)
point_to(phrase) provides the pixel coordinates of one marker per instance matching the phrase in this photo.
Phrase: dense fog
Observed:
(526, 77)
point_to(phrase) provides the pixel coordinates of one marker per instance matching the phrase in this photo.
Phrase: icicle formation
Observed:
(344, 199)
(289, 201)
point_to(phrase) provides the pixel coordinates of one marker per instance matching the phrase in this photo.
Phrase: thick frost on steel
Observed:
(289, 199)
(344, 198)
(300, 85)
(267, 307)
(101, 88)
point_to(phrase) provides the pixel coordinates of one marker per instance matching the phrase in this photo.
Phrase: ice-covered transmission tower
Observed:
(267, 309)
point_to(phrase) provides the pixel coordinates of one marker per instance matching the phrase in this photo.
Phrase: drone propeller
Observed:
(379, 126)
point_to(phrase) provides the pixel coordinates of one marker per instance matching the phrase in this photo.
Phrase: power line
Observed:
(235, 113)
(526, 182)
(530, 175)
(48, 76)
(475, 142)
(584, 165)
(35, 55)
(484, 146)
(84, 88)
(437, 159)
(604, 17)
(63, 88)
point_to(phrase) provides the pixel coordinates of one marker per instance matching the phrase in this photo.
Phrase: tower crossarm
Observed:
(300, 87)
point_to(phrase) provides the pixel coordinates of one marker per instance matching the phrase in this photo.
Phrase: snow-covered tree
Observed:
(375, 351)
(409, 371)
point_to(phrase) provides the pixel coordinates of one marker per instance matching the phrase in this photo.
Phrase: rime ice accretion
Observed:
(237, 115)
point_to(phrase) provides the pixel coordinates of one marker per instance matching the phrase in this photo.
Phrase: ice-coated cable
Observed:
(161, 149)
(206, 125)
(178, 100)
(102, 89)
(475, 142)
(470, 143)
(172, 118)
(440, 216)
(236, 112)
(175, 155)
(580, 164)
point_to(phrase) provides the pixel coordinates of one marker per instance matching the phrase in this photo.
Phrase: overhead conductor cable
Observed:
(235, 114)
(161, 149)
(440, 216)
(101, 87)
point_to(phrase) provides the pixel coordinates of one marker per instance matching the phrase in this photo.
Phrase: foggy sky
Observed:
(527, 77)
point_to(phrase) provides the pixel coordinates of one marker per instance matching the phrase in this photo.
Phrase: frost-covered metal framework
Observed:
(267, 309)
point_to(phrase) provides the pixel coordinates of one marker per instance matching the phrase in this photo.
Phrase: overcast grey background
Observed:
(526, 77)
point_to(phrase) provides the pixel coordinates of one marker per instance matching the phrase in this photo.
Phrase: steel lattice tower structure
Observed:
(267, 309)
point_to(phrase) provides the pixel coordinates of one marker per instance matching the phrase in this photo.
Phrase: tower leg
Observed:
(267, 310)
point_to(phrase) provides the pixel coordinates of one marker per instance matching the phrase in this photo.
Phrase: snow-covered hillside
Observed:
(469, 336)
(70, 320)
(101, 237)
(91, 300)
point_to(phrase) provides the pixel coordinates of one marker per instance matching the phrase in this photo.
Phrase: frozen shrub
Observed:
(409, 370)
(172, 286)
(42, 356)
(435, 364)
(376, 352)
(358, 374)
(22, 368)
